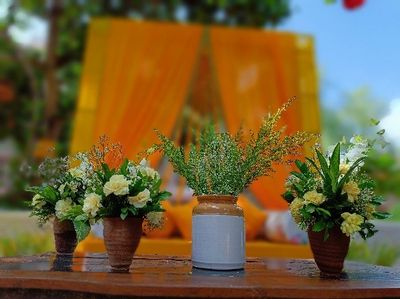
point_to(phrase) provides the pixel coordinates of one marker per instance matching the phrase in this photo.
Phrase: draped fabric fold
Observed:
(138, 76)
(257, 72)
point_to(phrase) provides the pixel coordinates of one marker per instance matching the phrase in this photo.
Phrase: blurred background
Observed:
(65, 66)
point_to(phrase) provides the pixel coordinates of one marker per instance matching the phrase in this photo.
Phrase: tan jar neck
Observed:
(217, 205)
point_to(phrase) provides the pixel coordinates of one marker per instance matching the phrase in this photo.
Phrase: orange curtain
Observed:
(257, 72)
(135, 79)
(138, 75)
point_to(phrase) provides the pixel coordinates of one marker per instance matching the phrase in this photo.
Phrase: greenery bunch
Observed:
(104, 184)
(334, 190)
(221, 163)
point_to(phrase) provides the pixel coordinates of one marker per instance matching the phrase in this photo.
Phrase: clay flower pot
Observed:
(218, 233)
(329, 255)
(64, 236)
(121, 238)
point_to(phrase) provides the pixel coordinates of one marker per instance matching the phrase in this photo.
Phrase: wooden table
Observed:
(48, 276)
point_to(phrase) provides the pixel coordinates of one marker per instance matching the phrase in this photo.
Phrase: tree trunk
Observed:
(51, 83)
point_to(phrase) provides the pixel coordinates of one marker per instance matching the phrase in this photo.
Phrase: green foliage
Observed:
(26, 244)
(377, 254)
(220, 163)
(333, 190)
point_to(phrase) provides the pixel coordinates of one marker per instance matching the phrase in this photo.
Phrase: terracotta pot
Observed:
(121, 238)
(64, 236)
(329, 255)
(218, 233)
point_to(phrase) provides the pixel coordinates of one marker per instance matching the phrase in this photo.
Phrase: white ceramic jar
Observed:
(218, 233)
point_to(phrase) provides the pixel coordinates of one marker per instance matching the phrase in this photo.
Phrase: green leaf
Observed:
(323, 211)
(107, 171)
(315, 167)
(82, 229)
(318, 226)
(374, 122)
(349, 172)
(323, 163)
(381, 132)
(163, 195)
(381, 215)
(334, 167)
(310, 208)
(124, 166)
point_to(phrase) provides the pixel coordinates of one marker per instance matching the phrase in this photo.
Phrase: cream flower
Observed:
(352, 190)
(91, 204)
(117, 184)
(77, 172)
(61, 188)
(38, 202)
(295, 207)
(155, 219)
(140, 200)
(62, 207)
(149, 172)
(344, 168)
(314, 197)
(351, 223)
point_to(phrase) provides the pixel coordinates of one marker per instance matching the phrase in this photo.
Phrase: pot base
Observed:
(218, 267)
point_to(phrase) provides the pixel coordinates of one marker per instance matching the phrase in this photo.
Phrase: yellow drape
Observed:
(137, 76)
(257, 72)
(135, 79)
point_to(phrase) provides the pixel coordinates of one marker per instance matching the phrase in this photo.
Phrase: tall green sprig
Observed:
(221, 163)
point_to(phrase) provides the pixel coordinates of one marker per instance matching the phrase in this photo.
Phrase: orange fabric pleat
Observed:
(257, 72)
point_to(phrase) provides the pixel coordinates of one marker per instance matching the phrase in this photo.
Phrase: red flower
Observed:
(353, 4)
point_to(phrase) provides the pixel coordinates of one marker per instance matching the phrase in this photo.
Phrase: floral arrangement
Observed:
(334, 190)
(62, 188)
(220, 163)
(104, 184)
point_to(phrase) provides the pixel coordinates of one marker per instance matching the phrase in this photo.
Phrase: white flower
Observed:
(117, 184)
(155, 219)
(77, 172)
(73, 186)
(61, 188)
(91, 204)
(38, 202)
(62, 207)
(132, 170)
(149, 172)
(140, 200)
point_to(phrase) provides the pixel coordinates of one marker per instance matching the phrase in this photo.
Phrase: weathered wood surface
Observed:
(46, 276)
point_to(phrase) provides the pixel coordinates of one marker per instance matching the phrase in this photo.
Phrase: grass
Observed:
(379, 254)
(26, 244)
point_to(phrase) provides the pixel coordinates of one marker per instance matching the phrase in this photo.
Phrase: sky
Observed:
(354, 49)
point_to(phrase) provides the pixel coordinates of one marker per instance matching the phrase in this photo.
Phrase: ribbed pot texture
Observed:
(329, 255)
(64, 236)
(121, 238)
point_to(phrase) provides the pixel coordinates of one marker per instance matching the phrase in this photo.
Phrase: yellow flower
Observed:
(344, 168)
(117, 184)
(91, 204)
(140, 200)
(370, 210)
(314, 197)
(352, 190)
(295, 207)
(351, 223)
(62, 207)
